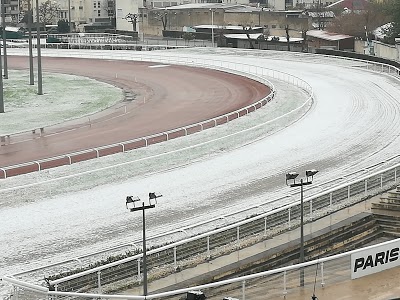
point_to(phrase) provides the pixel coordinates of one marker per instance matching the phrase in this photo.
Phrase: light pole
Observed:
(131, 205)
(1, 86)
(30, 19)
(212, 27)
(3, 24)
(69, 16)
(259, 15)
(39, 56)
(293, 176)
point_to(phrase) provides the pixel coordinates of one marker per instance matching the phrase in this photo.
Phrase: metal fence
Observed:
(200, 248)
(279, 282)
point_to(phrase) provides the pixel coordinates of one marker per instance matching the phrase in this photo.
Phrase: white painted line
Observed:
(159, 66)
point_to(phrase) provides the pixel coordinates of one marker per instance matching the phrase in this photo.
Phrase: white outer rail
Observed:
(232, 226)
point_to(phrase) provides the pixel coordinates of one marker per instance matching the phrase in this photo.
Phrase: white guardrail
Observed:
(278, 282)
(262, 225)
(254, 72)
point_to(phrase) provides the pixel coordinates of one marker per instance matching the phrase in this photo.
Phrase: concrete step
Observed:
(392, 234)
(386, 206)
(390, 228)
(390, 200)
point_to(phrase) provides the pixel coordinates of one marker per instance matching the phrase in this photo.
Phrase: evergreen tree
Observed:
(63, 26)
(393, 7)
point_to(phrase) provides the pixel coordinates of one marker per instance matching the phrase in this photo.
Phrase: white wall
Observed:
(385, 51)
(122, 8)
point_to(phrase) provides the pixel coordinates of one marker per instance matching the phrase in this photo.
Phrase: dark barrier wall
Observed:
(358, 56)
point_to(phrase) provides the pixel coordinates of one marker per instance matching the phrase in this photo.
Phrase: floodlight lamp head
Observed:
(311, 173)
(131, 199)
(291, 176)
(154, 196)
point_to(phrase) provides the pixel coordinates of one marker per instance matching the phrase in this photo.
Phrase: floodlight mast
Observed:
(293, 176)
(131, 200)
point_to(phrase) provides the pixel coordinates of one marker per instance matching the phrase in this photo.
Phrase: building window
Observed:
(99, 13)
(94, 4)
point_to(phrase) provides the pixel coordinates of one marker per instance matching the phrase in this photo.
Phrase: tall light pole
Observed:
(1, 86)
(39, 56)
(3, 24)
(293, 176)
(30, 18)
(259, 15)
(131, 205)
(212, 27)
(69, 16)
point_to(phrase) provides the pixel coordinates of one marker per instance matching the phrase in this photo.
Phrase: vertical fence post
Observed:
(244, 290)
(395, 174)
(265, 226)
(330, 199)
(366, 186)
(289, 217)
(311, 214)
(238, 236)
(15, 292)
(348, 191)
(138, 269)
(175, 264)
(284, 284)
(322, 275)
(99, 281)
(381, 180)
(208, 247)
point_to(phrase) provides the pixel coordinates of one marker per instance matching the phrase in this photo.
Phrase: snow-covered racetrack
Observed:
(353, 124)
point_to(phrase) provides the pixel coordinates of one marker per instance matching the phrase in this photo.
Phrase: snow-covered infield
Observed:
(65, 97)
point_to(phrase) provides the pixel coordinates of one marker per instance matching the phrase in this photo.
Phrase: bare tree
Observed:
(49, 12)
(356, 23)
(287, 37)
(249, 30)
(163, 17)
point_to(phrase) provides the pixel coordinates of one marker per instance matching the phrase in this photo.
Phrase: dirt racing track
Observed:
(162, 102)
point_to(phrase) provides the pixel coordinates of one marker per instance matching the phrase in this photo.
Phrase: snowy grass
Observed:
(65, 97)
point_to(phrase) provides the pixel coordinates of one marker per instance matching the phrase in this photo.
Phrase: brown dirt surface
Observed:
(166, 98)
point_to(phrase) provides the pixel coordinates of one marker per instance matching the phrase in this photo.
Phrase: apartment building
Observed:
(12, 11)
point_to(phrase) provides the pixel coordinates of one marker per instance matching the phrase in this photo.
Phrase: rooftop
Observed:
(329, 36)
